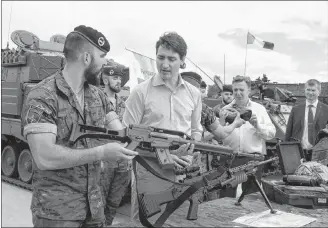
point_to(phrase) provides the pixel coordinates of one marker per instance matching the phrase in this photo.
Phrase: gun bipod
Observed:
(252, 179)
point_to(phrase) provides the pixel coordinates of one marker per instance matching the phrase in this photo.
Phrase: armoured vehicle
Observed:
(22, 68)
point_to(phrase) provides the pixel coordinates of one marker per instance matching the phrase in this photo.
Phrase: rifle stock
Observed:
(151, 202)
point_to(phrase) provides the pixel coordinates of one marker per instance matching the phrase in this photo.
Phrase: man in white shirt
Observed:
(164, 101)
(251, 136)
(306, 120)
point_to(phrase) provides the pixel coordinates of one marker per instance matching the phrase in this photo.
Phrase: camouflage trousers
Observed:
(88, 222)
(114, 183)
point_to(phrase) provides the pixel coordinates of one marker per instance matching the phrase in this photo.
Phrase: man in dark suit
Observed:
(306, 120)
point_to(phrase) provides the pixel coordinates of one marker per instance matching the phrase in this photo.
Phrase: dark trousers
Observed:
(232, 192)
(307, 155)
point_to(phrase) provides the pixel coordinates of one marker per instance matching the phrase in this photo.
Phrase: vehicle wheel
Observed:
(9, 160)
(3, 144)
(25, 166)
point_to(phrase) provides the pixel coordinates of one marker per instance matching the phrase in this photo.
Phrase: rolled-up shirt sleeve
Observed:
(196, 126)
(39, 114)
(134, 108)
(265, 128)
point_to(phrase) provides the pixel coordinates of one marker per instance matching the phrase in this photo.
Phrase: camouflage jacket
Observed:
(207, 117)
(66, 194)
(119, 106)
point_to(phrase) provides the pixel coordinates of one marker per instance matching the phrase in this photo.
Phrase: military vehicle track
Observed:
(17, 183)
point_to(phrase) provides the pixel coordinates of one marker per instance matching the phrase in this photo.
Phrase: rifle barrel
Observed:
(216, 149)
(268, 161)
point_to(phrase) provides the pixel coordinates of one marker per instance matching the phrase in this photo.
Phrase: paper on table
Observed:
(279, 219)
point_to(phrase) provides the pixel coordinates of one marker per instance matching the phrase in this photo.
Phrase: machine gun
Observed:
(150, 141)
(157, 143)
(197, 188)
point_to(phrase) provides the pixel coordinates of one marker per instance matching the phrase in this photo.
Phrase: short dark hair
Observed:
(313, 82)
(74, 45)
(174, 41)
(245, 79)
(203, 85)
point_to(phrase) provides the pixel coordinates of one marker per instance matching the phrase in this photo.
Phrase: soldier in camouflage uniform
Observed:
(225, 99)
(115, 177)
(66, 180)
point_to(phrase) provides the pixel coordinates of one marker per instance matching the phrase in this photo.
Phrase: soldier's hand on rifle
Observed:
(180, 162)
(185, 149)
(117, 152)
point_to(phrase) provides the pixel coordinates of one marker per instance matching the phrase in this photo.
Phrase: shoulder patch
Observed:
(34, 114)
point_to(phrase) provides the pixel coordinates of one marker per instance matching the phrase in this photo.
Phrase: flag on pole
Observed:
(251, 39)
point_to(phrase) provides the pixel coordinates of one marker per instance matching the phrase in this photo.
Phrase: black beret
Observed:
(115, 69)
(192, 75)
(227, 88)
(203, 85)
(94, 37)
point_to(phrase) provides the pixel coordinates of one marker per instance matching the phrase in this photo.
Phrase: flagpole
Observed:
(200, 69)
(155, 60)
(224, 69)
(246, 53)
(138, 53)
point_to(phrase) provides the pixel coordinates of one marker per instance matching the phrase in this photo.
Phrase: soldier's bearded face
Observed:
(115, 83)
(92, 73)
(227, 97)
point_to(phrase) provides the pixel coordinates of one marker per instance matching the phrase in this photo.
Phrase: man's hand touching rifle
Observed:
(151, 141)
(158, 143)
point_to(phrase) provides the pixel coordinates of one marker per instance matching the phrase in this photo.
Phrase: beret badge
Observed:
(101, 41)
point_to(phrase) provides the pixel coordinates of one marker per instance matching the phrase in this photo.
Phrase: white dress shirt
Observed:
(305, 138)
(152, 103)
(247, 138)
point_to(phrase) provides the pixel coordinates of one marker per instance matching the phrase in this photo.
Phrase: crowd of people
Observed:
(83, 184)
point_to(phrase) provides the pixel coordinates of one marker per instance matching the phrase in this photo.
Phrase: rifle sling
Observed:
(143, 163)
(172, 206)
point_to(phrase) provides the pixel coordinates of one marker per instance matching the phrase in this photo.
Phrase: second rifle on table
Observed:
(199, 187)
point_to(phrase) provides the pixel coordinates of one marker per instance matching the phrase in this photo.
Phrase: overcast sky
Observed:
(299, 31)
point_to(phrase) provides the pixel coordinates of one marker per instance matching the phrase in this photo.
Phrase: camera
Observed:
(245, 114)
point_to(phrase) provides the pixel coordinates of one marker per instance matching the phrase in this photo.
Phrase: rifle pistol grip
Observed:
(193, 209)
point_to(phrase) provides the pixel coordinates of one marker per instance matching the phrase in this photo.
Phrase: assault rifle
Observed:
(198, 187)
(151, 141)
